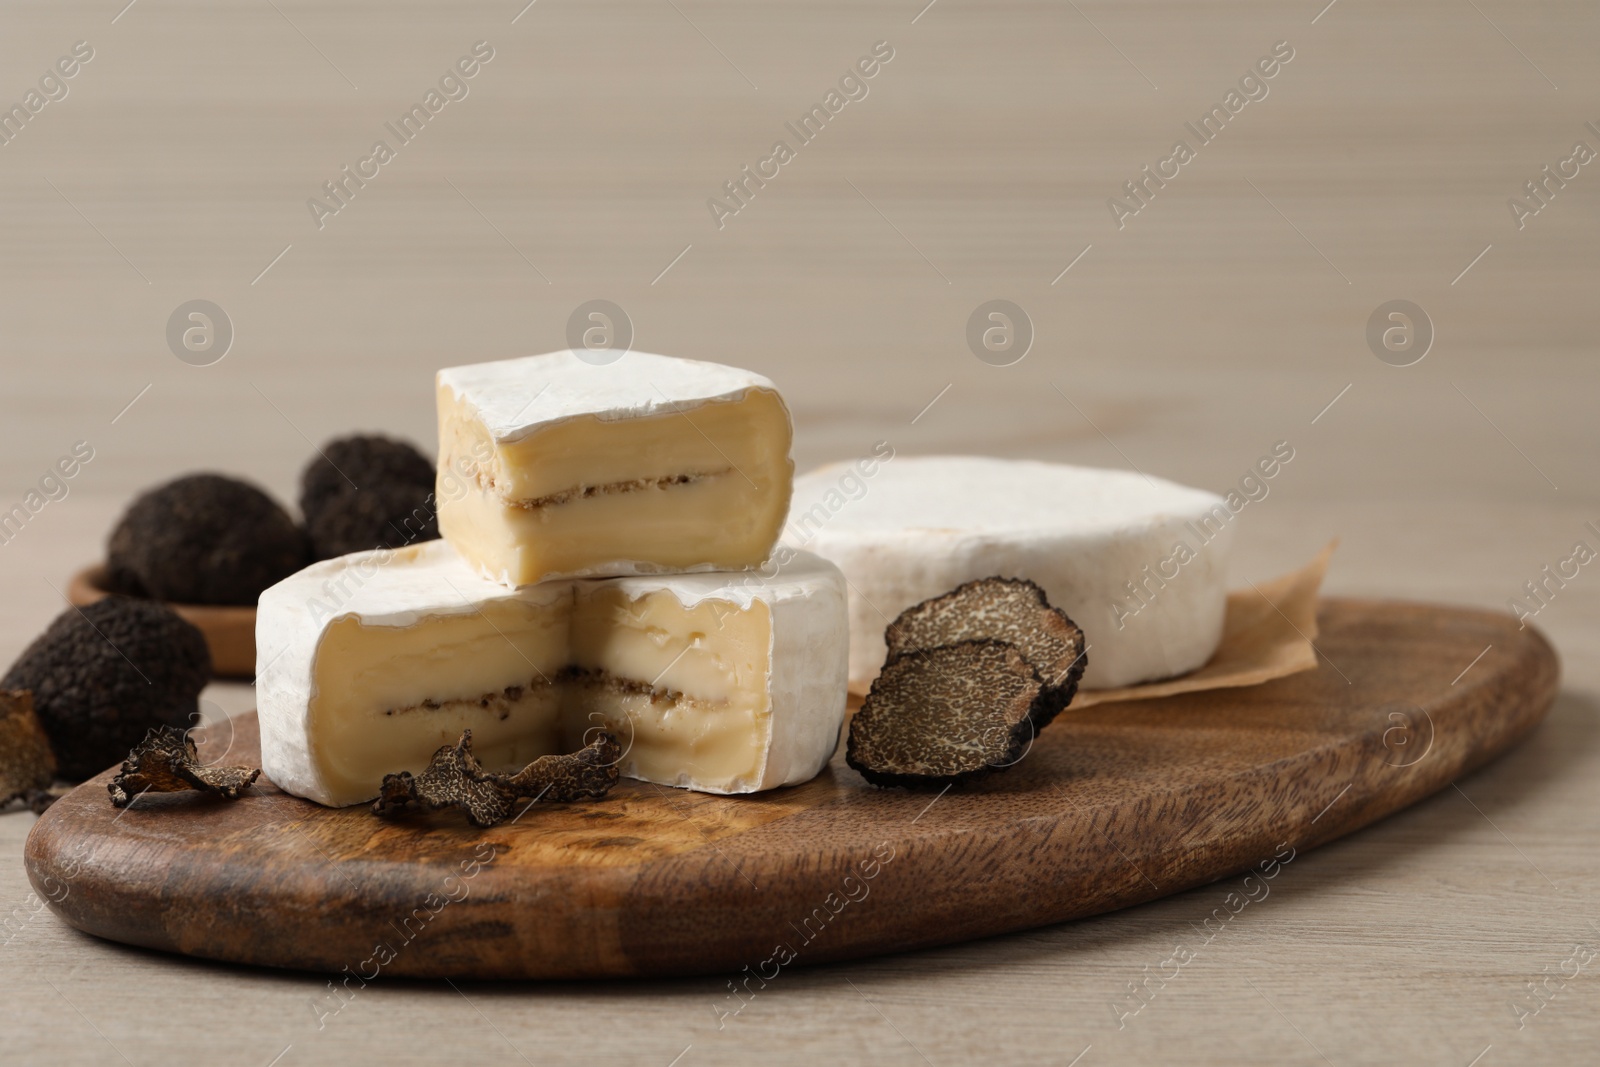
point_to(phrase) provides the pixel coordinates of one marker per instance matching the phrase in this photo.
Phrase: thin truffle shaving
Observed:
(455, 778)
(166, 762)
(587, 774)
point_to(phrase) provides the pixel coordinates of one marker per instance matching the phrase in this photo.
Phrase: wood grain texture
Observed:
(1114, 806)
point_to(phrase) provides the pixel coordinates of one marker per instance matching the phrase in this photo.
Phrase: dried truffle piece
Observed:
(945, 715)
(104, 674)
(166, 762)
(367, 491)
(587, 774)
(1012, 610)
(205, 539)
(27, 765)
(455, 778)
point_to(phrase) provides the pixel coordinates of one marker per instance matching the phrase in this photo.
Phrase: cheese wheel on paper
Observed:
(1139, 563)
(610, 462)
(724, 682)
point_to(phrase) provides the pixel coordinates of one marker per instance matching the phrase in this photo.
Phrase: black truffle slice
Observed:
(946, 715)
(104, 675)
(1012, 610)
(455, 778)
(367, 492)
(204, 539)
(587, 774)
(166, 762)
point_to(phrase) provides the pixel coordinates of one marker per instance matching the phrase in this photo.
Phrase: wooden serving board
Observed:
(1114, 805)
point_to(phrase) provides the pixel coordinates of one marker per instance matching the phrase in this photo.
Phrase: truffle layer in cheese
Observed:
(1140, 564)
(553, 465)
(722, 682)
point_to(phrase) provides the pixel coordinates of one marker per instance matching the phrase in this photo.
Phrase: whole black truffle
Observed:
(103, 675)
(205, 539)
(367, 492)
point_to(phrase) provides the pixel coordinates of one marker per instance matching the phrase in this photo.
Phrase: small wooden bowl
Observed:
(230, 631)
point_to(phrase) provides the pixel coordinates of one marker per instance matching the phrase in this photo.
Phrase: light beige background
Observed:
(1224, 317)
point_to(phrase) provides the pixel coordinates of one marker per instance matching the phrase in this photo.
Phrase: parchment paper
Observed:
(1266, 634)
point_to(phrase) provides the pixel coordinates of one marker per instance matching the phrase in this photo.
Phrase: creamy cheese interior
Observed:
(382, 695)
(684, 689)
(707, 486)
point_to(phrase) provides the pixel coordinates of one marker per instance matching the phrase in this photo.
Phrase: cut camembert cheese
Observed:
(582, 464)
(728, 682)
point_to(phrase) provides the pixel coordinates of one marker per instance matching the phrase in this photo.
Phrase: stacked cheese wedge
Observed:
(608, 521)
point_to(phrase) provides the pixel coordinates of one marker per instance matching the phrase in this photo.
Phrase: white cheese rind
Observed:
(515, 397)
(926, 524)
(807, 654)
